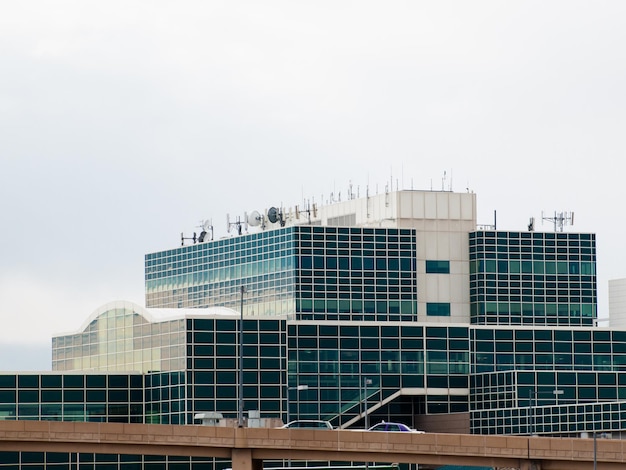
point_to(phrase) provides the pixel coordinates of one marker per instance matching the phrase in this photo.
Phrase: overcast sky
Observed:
(123, 124)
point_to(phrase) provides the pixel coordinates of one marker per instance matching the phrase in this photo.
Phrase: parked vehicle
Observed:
(308, 424)
(393, 427)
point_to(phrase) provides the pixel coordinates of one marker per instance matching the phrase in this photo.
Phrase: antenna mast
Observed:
(560, 220)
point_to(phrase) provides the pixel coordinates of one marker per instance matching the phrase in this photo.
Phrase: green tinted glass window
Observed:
(51, 381)
(28, 381)
(437, 267)
(73, 381)
(28, 396)
(7, 396)
(118, 381)
(96, 395)
(7, 381)
(438, 309)
(51, 396)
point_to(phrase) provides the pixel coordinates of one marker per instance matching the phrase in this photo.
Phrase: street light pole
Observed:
(595, 449)
(532, 397)
(240, 404)
(299, 387)
(366, 382)
(531, 422)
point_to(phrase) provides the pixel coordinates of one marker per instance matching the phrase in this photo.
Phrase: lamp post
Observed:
(298, 387)
(366, 382)
(532, 397)
(531, 417)
(595, 449)
(240, 404)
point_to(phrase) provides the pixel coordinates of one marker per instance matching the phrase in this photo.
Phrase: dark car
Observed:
(393, 427)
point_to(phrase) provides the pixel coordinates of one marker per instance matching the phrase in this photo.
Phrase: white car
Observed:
(308, 424)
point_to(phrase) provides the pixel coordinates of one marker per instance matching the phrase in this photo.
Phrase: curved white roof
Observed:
(152, 315)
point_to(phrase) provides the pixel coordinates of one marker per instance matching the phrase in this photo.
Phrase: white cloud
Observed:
(35, 309)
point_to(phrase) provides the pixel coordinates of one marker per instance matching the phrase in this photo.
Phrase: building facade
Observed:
(395, 306)
(533, 278)
(361, 258)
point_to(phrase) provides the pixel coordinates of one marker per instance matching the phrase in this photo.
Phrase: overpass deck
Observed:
(249, 447)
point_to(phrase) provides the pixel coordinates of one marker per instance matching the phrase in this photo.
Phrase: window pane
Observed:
(437, 267)
(438, 309)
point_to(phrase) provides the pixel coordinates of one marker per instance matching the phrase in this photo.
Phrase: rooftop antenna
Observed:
(307, 209)
(183, 238)
(207, 227)
(275, 215)
(254, 219)
(560, 220)
(238, 224)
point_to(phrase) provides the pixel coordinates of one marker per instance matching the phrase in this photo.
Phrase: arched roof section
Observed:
(117, 304)
(153, 315)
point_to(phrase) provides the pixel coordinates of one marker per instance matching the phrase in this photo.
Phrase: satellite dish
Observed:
(272, 215)
(254, 219)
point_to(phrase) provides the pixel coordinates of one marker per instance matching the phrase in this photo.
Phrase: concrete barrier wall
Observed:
(253, 445)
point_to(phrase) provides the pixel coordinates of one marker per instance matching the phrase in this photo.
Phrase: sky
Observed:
(123, 124)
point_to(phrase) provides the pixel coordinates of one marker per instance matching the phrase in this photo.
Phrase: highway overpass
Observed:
(249, 447)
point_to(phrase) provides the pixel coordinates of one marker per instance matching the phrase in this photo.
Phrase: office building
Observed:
(396, 303)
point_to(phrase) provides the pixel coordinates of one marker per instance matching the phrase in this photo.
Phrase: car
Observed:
(308, 424)
(393, 427)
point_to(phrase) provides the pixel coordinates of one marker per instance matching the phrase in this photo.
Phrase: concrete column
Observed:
(242, 460)
(529, 465)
